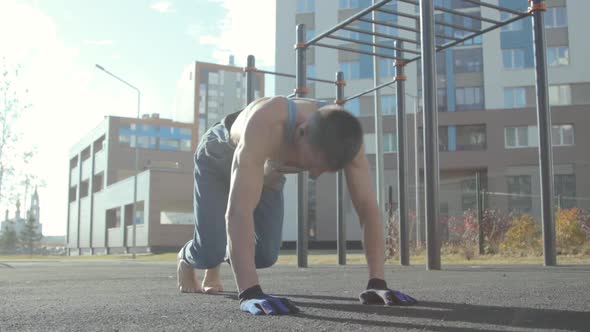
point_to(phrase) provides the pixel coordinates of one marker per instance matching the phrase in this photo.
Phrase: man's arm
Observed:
(246, 187)
(364, 200)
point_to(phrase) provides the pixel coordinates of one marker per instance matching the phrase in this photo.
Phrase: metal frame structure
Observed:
(429, 43)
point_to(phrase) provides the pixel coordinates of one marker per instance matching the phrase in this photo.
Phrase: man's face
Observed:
(312, 160)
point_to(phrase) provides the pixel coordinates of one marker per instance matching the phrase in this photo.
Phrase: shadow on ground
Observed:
(477, 314)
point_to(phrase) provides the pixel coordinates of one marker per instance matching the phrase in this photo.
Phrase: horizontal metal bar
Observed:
(396, 13)
(501, 24)
(371, 44)
(348, 21)
(358, 51)
(370, 90)
(293, 76)
(458, 27)
(503, 9)
(455, 12)
(401, 27)
(459, 13)
(413, 41)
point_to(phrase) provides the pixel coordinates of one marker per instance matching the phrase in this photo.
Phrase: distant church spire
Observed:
(17, 213)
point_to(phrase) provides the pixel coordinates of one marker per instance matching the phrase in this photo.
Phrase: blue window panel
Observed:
(451, 101)
(348, 4)
(388, 104)
(350, 69)
(305, 6)
(452, 133)
(126, 131)
(311, 71)
(353, 107)
(386, 68)
(366, 66)
(523, 38)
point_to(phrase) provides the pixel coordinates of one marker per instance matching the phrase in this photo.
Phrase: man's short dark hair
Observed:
(335, 133)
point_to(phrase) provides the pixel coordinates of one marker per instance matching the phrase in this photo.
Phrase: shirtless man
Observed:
(238, 197)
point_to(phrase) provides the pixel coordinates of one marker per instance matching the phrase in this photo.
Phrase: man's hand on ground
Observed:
(378, 293)
(254, 301)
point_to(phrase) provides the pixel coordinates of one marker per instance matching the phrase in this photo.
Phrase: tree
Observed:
(29, 236)
(12, 107)
(8, 240)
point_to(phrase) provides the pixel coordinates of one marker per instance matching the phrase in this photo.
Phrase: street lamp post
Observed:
(136, 155)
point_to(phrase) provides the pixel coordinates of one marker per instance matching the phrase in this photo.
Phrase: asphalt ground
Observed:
(126, 295)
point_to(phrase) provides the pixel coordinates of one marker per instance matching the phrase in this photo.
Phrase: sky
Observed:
(57, 43)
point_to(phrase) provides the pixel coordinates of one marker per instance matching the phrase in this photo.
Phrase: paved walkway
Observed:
(141, 296)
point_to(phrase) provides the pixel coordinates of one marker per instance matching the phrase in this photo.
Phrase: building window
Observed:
(519, 190)
(514, 26)
(468, 60)
(560, 95)
(565, 190)
(520, 137)
(471, 138)
(468, 23)
(443, 139)
(186, 132)
(177, 218)
(124, 139)
(441, 99)
(305, 6)
(169, 144)
(186, 145)
(514, 97)
(556, 17)
(386, 68)
(113, 217)
(348, 4)
(558, 56)
(468, 194)
(389, 143)
(386, 30)
(349, 35)
(388, 104)
(526, 137)
(469, 98)
(458, 4)
(350, 69)
(353, 107)
(513, 58)
(97, 182)
(311, 71)
(562, 135)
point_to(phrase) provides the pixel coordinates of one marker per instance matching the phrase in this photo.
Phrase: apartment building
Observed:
(486, 103)
(102, 168)
(207, 92)
(101, 187)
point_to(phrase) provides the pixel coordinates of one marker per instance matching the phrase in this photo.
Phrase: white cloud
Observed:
(246, 29)
(163, 7)
(104, 42)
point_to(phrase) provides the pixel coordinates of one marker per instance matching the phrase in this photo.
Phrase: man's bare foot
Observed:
(211, 281)
(187, 278)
